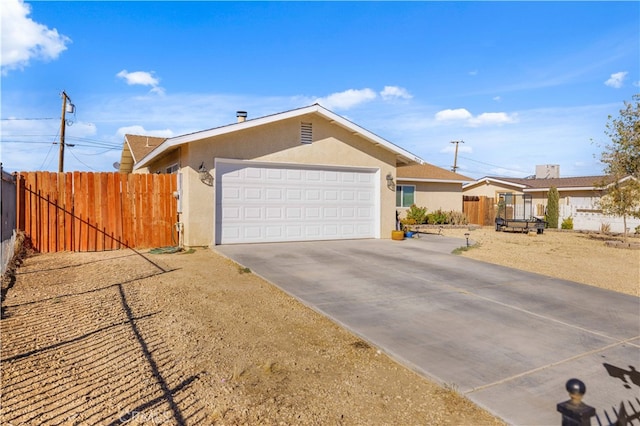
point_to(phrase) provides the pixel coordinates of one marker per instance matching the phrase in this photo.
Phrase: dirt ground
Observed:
(574, 256)
(136, 338)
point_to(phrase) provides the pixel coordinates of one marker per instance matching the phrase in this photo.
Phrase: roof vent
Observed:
(242, 116)
(306, 132)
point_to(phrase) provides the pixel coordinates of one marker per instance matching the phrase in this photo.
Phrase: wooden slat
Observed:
(91, 212)
(127, 211)
(83, 193)
(68, 211)
(50, 183)
(110, 227)
(101, 203)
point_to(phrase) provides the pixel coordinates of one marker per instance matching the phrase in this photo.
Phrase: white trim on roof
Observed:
(316, 108)
(580, 188)
(133, 157)
(562, 189)
(487, 180)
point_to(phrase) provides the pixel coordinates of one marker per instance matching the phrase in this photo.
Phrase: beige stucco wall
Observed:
(279, 143)
(435, 195)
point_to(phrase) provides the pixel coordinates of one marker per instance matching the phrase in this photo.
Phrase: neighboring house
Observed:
(426, 185)
(300, 175)
(135, 147)
(579, 197)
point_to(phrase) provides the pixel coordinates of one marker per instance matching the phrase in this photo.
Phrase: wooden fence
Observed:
(479, 210)
(81, 211)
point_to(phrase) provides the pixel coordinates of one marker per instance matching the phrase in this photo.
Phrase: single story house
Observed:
(579, 197)
(426, 185)
(301, 175)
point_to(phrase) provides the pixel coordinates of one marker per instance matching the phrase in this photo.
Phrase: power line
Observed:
(29, 119)
(493, 165)
(80, 161)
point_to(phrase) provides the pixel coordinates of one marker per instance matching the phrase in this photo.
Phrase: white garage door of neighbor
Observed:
(260, 202)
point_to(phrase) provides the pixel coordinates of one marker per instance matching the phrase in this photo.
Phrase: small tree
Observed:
(621, 159)
(553, 208)
(622, 199)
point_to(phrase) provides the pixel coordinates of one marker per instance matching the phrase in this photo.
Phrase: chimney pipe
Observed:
(242, 116)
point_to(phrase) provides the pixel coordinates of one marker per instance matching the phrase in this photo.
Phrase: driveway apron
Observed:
(506, 339)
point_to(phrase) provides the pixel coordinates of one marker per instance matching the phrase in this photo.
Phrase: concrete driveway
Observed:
(507, 339)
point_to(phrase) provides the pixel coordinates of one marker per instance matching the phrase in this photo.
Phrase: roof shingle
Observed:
(428, 171)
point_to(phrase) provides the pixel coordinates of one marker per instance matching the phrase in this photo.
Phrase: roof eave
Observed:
(430, 180)
(192, 137)
(568, 188)
(486, 180)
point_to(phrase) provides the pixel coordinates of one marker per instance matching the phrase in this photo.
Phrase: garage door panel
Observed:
(270, 203)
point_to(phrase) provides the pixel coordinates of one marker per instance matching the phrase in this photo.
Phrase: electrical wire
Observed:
(28, 119)
(81, 162)
(491, 165)
(49, 152)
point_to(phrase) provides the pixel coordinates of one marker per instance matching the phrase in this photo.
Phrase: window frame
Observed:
(400, 190)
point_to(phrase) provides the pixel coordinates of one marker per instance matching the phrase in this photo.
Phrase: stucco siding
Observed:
(437, 195)
(277, 142)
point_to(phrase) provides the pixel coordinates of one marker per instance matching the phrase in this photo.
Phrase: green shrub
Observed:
(437, 218)
(567, 223)
(419, 214)
(553, 208)
(638, 229)
(440, 217)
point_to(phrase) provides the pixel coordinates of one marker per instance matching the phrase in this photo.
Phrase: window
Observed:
(172, 169)
(405, 195)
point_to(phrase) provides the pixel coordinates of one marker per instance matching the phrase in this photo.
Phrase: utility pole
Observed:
(455, 159)
(63, 126)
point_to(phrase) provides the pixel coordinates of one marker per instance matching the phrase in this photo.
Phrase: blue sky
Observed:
(522, 83)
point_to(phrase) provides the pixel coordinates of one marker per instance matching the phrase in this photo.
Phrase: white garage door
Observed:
(262, 202)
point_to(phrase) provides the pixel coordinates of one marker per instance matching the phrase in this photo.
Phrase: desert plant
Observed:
(407, 222)
(567, 223)
(638, 229)
(457, 218)
(605, 228)
(419, 214)
(437, 218)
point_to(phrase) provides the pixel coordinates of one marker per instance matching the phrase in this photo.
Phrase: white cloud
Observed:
(474, 72)
(497, 98)
(347, 99)
(24, 39)
(140, 130)
(453, 115)
(484, 119)
(461, 148)
(395, 92)
(616, 80)
(493, 118)
(142, 78)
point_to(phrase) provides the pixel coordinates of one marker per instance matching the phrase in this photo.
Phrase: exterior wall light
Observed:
(205, 176)
(390, 183)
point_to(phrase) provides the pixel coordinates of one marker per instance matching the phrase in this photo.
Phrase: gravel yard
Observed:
(124, 337)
